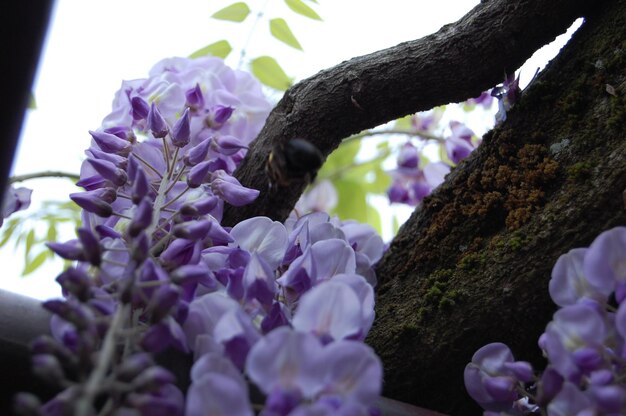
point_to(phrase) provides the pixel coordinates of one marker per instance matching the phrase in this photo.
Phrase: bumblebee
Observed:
(296, 160)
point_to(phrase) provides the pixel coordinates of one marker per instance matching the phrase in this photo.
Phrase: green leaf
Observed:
(30, 240)
(270, 73)
(52, 232)
(404, 123)
(373, 219)
(33, 265)
(280, 30)
(341, 158)
(300, 7)
(236, 12)
(352, 200)
(221, 49)
(11, 225)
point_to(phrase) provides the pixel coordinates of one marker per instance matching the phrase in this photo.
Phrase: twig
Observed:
(45, 174)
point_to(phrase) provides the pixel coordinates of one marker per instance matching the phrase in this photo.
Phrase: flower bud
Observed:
(76, 282)
(140, 248)
(140, 187)
(193, 230)
(194, 273)
(133, 365)
(72, 312)
(229, 145)
(109, 171)
(91, 246)
(163, 301)
(194, 97)
(110, 143)
(70, 250)
(156, 122)
(218, 115)
(181, 132)
(142, 218)
(48, 367)
(26, 404)
(200, 206)
(198, 174)
(230, 190)
(198, 153)
(140, 108)
(97, 201)
(153, 378)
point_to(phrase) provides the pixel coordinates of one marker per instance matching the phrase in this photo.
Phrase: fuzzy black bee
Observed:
(296, 160)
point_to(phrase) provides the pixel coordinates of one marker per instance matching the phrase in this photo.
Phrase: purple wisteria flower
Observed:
(14, 200)
(585, 343)
(156, 270)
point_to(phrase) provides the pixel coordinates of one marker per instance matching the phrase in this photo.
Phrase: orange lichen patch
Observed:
(514, 185)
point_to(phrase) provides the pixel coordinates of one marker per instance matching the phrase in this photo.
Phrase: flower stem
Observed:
(45, 174)
(84, 407)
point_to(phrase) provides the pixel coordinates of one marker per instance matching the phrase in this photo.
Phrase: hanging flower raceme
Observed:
(155, 269)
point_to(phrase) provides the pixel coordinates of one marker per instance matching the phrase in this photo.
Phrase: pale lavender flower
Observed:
(489, 378)
(568, 284)
(605, 262)
(287, 360)
(263, 236)
(230, 190)
(573, 328)
(330, 310)
(15, 200)
(569, 401)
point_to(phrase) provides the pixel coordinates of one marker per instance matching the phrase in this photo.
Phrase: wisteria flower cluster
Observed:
(283, 306)
(585, 343)
(413, 179)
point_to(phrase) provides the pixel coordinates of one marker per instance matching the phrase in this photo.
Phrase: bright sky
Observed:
(93, 45)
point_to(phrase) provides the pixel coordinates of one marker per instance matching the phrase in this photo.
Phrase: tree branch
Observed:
(458, 62)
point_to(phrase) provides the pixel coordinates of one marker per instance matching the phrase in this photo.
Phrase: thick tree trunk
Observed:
(472, 265)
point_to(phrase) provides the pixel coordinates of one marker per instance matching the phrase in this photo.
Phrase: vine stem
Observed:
(44, 174)
(84, 407)
(259, 15)
(424, 135)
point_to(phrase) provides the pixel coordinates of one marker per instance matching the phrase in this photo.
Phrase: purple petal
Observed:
(181, 131)
(217, 394)
(230, 190)
(353, 371)
(605, 261)
(262, 235)
(287, 360)
(110, 143)
(330, 309)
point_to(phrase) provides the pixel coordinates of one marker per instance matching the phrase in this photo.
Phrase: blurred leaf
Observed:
(373, 219)
(352, 200)
(33, 265)
(221, 49)
(30, 240)
(269, 72)
(8, 229)
(395, 225)
(280, 30)
(32, 104)
(300, 7)
(341, 158)
(404, 123)
(51, 235)
(236, 12)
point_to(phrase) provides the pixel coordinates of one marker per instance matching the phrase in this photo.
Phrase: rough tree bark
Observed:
(458, 62)
(471, 266)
